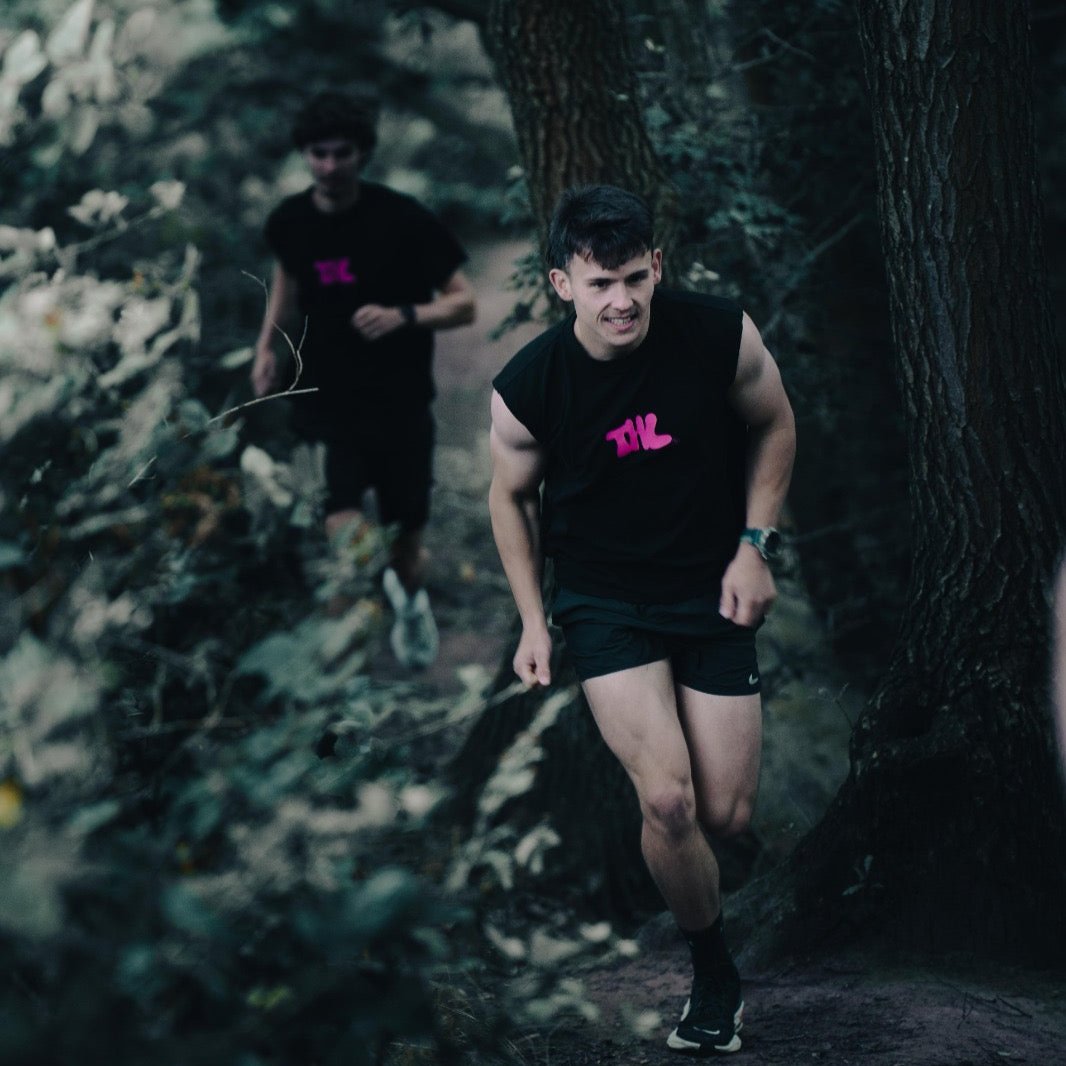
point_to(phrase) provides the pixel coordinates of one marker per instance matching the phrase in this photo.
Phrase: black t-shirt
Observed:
(385, 249)
(644, 479)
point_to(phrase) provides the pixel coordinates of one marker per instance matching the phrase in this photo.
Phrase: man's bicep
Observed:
(757, 394)
(282, 283)
(517, 457)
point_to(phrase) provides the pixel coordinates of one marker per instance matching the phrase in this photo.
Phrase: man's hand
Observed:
(747, 587)
(532, 660)
(264, 373)
(372, 321)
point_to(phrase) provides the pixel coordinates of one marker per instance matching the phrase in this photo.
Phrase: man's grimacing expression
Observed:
(335, 164)
(612, 306)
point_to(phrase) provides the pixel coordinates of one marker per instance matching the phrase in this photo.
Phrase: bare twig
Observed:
(800, 272)
(260, 399)
(140, 473)
(68, 254)
(786, 46)
(295, 349)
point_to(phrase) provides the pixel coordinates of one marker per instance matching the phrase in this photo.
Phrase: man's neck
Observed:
(330, 205)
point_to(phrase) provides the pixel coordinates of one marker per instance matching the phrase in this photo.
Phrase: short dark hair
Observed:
(333, 115)
(600, 222)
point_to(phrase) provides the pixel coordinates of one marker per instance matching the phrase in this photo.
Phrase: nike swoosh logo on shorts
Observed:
(753, 679)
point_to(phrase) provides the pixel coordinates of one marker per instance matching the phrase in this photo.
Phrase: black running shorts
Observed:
(707, 652)
(389, 454)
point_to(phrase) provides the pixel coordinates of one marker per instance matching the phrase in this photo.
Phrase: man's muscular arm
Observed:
(453, 306)
(514, 507)
(758, 396)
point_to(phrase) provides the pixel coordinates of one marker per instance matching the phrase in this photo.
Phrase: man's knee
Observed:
(671, 810)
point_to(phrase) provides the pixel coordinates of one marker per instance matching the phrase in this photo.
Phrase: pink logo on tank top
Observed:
(639, 433)
(334, 271)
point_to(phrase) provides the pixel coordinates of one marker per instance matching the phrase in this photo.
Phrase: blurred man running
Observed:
(372, 274)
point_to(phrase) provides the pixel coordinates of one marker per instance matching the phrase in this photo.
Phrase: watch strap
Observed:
(765, 541)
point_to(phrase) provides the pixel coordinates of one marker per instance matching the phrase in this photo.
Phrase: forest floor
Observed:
(836, 1011)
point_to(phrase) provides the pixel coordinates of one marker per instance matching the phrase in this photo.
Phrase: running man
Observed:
(658, 426)
(372, 273)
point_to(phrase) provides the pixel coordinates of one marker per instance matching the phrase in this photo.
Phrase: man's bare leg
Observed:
(414, 636)
(409, 558)
(724, 740)
(637, 715)
(704, 779)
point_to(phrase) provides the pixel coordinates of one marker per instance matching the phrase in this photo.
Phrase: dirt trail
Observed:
(839, 1012)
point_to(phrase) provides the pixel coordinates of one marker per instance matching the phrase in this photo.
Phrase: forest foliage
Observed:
(218, 833)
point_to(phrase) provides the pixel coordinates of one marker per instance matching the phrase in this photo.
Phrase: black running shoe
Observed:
(712, 1018)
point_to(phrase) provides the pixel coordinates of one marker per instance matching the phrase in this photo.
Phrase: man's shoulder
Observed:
(682, 303)
(535, 356)
(382, 198)
(701, 324)
(293, 208)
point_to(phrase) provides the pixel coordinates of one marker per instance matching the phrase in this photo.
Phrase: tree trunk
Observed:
(950, 830)
(574, 97)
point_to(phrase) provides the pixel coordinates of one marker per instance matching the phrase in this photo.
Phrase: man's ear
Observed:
(561, 283)
(657, 265)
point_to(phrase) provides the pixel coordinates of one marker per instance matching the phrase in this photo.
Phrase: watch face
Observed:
(771, 542)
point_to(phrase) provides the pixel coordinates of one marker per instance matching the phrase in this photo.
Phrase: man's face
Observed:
(613, 307)
(334, 165)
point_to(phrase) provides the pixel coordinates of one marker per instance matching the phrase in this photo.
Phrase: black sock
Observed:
(710, 956)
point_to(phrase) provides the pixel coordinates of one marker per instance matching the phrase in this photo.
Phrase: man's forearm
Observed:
(446, 311)
(516, 529)
(771, 453)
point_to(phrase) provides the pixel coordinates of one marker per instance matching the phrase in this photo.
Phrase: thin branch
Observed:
(786, 45)
(140, 473)
(295, 349)
(68, 254)
(260, 399)
(800, 272)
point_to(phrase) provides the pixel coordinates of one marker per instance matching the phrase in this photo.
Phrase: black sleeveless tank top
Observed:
(644, 483)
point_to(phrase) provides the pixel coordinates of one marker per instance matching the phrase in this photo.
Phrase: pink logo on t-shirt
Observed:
(334, 271)
(638, 433)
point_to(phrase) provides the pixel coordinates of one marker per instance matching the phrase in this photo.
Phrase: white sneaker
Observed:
(394, 590)
(414, 637)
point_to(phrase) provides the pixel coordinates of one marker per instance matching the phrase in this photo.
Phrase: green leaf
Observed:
(89, 819)
(10, 555)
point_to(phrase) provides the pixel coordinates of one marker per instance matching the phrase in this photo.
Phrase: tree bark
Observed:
(568, 74)
(949, 832)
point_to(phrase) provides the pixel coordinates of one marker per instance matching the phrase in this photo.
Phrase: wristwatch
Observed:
(408, 312)
(767, 542)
